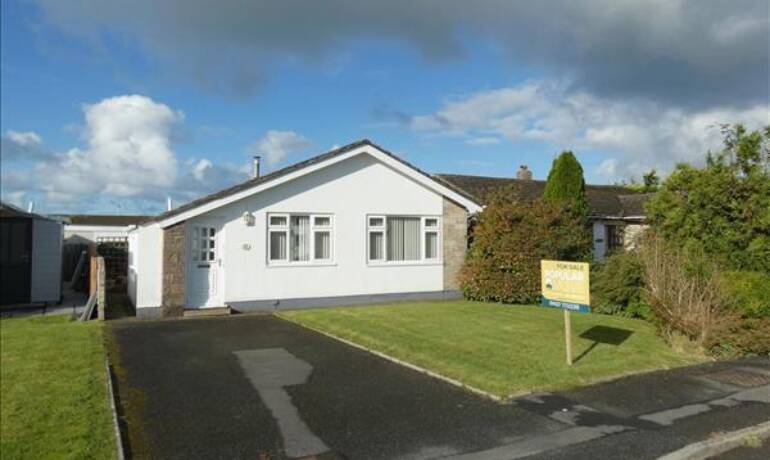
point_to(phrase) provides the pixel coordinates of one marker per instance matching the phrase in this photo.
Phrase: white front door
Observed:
(204, 266)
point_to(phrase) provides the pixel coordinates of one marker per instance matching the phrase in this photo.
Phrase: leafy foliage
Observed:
(650, 182)
(684, 293)
(617, 286)
(566, 186)
(749, 292)
(722, 209)
(509, 240)
(748, 337)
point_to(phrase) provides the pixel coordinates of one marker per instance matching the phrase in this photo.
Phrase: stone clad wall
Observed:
(174, 270)
(455, 234)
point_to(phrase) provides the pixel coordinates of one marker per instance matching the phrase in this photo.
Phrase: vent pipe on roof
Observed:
(31, 206)
(524, 173)
(169, 204)
(255, 166)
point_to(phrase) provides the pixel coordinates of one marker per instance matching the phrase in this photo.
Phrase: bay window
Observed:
(403, 239)
(299, 238)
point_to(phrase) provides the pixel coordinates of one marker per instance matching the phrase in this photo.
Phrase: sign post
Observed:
(565, 285)
(568, 336)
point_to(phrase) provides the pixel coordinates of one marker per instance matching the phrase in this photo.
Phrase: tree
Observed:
(509, 240)
(566, 186)
(723, 208)
(650, 181)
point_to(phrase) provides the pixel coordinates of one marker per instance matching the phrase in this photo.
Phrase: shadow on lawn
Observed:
(603, 334)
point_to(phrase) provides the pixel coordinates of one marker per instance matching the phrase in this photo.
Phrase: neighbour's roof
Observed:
(290, 169)
(633, 205)
(9, 210)
(603, 200)
(111, 220)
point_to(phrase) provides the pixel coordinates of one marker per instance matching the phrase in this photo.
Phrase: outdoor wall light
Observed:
(248, 219)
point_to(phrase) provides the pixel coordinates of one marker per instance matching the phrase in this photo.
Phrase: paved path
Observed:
(245, 386)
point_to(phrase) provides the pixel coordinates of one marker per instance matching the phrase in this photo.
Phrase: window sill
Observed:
(300, 264)
(408, 263)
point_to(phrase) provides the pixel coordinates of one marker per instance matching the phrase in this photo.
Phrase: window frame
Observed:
(615, 236)
(286, 230)
(424, 230)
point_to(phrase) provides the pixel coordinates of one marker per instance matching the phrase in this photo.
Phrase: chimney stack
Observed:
(255, 168)
(169, 204)
(31, 206)
(524, 173)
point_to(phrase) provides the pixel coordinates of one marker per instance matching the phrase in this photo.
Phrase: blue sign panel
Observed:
(565, 305)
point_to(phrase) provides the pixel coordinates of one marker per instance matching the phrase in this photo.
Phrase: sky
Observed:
(109, 106)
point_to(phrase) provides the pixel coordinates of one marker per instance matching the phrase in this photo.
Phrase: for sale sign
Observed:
(565, 285)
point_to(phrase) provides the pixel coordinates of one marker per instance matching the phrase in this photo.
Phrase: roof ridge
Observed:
(474, 176)
(257, 180)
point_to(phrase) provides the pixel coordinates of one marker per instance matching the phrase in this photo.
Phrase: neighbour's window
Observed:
(403, 239)
(615, 237)
(299, 238)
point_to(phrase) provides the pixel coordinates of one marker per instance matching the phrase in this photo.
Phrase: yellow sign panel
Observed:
(565, 285)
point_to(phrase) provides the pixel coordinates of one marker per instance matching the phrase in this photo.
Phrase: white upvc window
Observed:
(300, 238)
(403, 239)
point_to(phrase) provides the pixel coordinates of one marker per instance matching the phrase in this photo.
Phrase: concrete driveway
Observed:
(260, 387)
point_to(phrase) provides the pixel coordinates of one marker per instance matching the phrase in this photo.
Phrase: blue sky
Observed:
(108, 110)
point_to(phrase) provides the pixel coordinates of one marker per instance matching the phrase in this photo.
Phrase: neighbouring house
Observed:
(352, 225)
(30, 257)
(616, 213)
(96, 228)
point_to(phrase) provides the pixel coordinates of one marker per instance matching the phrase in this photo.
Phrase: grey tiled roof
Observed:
(633, 205)
(102, 219)
(8, 210)
(603, 200)
(290, 169)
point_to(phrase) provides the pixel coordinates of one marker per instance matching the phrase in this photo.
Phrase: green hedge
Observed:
(509, 241)
(748, 292)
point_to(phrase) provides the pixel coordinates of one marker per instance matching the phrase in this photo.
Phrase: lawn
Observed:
(503, 350)
(53, 395)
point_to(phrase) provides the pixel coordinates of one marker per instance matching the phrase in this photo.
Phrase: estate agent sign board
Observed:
(565, 285)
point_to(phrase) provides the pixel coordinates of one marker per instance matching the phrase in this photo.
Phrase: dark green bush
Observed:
(509, 240)
(748, 292)
(751, 336)
(617, 286)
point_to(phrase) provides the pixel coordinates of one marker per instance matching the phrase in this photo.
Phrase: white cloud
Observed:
(641, 133)
(22, 146)
(200, 168)
(203, 176)
(481, 141)
(128, 152)
(275, 146)
(26, 139)
(608, 167)
(127, 161)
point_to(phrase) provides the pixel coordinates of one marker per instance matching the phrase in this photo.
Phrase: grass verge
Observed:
(503, 350)
(53, 393)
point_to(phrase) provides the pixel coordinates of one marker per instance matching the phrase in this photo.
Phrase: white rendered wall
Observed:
(146, 256)
(632, 234)
(349, 190)
(46, 261)
(133, 259)
(90, 233)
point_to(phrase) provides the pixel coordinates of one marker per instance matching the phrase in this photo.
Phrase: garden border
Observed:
(115, 423)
